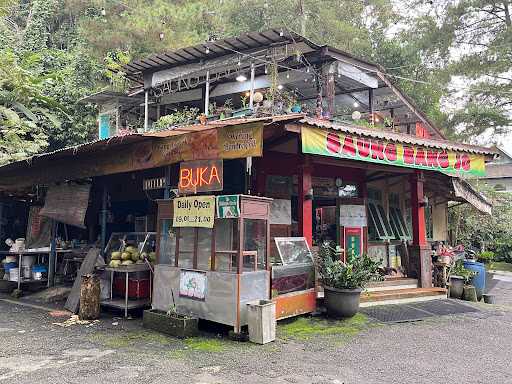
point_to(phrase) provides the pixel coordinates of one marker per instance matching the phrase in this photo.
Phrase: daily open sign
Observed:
(335, 144)
(196, 211)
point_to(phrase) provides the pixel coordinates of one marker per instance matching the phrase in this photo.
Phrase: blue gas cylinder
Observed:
(479, 279)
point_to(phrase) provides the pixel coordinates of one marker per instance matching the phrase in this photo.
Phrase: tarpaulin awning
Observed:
(67, 203)
(465, 191)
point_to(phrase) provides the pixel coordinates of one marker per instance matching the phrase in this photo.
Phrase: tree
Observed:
(490, 232)
(25, 112)
(473, 41)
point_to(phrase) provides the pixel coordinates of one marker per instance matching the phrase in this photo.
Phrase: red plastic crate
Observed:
(137, 288)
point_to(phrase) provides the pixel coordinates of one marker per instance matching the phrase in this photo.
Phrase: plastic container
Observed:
(261, 316)
(13, 274)
(478, 281)
(26, 272)
(8, 266)
(38, 272)
(28, 261)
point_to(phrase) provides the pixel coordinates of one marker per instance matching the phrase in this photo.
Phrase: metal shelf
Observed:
(121, 304)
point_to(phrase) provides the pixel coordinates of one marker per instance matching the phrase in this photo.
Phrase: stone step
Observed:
(401, 296)
(392, 284)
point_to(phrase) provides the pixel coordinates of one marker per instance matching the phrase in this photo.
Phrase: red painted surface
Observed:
(419, 233)
(137, 288)
(295, 303)
(305, 204)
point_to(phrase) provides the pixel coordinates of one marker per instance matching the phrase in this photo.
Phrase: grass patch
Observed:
(501, 266)
(128, 339)
(304, 328)
(204, 344)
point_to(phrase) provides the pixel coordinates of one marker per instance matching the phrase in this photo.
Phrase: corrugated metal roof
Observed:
(105, 144)
(213, 49)
(397, 137)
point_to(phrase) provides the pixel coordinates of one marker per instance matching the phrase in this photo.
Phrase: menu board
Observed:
(353, 216)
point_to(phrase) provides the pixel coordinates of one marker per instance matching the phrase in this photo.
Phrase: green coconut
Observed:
(115, 255)
(127, 262)
(114, 263)
(130, 249)
(126, 256)
(152, 256)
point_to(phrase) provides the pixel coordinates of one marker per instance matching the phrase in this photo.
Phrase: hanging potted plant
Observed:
(344, 282)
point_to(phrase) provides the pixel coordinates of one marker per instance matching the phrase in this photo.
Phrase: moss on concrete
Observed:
(304, 328)
(126, 339)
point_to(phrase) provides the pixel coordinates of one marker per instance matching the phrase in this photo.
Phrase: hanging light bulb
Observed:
(281, 33)
(241, 78)
(161, 35)
(306, 79)
(356, 104)
(103, 12)
(287, 75)
(280, 86)
(207, 50)
(307, 70)
(266, 70)
(239, 62)
(339, 74)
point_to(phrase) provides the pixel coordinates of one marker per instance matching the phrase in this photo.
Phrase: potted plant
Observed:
(170, 322)
(485, 257)
(459, 281)
(344, 282)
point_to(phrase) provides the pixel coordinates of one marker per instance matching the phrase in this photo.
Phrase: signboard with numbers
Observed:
(196, 211)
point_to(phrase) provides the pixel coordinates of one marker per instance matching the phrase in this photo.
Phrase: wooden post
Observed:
(251, 93)
(207, 94)
(419, 255)
(306, 201)
(89, 298)
(146, 111)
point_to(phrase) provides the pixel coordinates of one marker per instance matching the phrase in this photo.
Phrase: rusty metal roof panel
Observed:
(397, 137)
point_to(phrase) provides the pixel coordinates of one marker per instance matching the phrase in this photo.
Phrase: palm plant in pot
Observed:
(344, 282)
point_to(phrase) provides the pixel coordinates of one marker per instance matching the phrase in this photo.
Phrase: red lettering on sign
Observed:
(432, 159)
(333, 142)
(202, 180)
(466, 162)
(408, 155)
(214, 175)
(377, 150)
(391, 151)
(348, 146)
(363, 147)
(421, 157)
(185, 176)
(442, 159)
(201, 176)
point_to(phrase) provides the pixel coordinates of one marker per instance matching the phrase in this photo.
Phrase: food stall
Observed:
(213, 258)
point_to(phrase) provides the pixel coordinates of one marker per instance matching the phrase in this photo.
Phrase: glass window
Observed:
(255, 239)
(226, 245)
(167, 244)
(204, 248)
(379, 227)
(186, 247)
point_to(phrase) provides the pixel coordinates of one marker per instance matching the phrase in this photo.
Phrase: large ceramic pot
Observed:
(456, 287)
(341, 302)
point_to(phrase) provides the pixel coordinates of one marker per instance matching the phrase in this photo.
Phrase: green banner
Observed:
(336, 144)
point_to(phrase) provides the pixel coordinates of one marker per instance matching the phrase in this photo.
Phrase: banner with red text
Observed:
(336, 144)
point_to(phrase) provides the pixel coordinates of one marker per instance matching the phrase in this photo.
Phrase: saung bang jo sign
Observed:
(334, 144)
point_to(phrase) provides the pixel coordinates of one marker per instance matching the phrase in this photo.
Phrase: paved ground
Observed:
(471, 348)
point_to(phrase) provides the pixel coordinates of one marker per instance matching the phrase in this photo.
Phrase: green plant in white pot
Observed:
(344, 282)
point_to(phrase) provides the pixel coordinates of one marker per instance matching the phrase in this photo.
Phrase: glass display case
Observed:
(294, 270)
(227, 263)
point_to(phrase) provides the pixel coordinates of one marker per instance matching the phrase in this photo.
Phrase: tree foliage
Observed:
(76, 47)
(491, 232)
